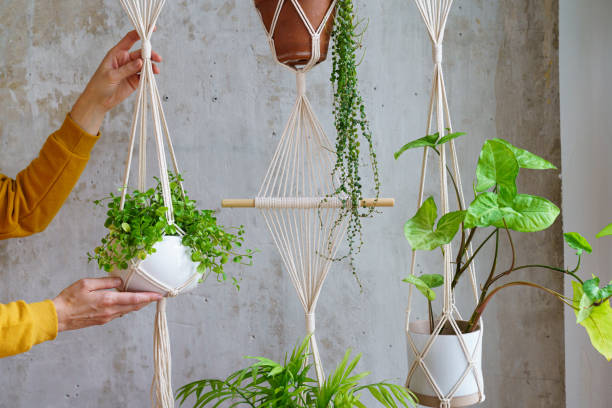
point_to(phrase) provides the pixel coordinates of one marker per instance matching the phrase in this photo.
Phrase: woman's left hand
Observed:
(116, 78)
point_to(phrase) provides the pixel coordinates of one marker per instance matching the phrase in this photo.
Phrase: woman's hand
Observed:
(116, 78)
(86, 303)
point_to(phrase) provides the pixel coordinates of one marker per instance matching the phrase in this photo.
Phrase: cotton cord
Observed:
(143, 15)
(435, 15)
(297, 197)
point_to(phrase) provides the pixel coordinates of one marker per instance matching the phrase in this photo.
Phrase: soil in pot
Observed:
(292, 40)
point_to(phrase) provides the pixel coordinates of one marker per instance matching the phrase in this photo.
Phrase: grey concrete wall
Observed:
(227, 102)
(586, 62)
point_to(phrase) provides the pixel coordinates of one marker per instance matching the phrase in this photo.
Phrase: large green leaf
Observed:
(605, 232)
(421, 286)
(427, 141)
(531, 213)
(497, 165)
(527, 160)
(484, 211)
(578, 242)
(598, 324)
(420, 232)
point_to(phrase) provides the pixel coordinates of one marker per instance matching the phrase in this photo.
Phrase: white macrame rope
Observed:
(295, 201)
(435, 15)
(315, 33)
(143, 15)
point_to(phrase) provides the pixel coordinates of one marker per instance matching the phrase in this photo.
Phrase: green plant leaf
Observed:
(585, 309)
(432, 280)
(607, 231)
(577, 242)
(421, 286)
(449, 137)
(594, 292)
(598, 324)
(527, 160)
(497, 166)
(426, 141)
(419, 230)
(485, 211)
(530, 214)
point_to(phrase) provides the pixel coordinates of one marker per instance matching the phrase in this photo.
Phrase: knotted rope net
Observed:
(143, 15)
(297, 197)
(435, 15)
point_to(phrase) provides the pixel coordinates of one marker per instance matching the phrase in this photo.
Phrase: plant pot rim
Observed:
(421, 327)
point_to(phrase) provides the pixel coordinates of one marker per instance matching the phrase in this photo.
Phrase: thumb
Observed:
(127, 70)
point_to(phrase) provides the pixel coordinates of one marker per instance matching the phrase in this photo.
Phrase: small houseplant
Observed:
(499, 208)
(139, 230)
(269, 384)
(293, 47)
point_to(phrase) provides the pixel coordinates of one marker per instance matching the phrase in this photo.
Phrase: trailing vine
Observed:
(352, 127)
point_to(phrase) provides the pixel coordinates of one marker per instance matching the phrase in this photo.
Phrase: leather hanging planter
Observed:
(292, 40)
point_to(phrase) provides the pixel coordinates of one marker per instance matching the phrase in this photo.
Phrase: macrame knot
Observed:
(301, 83)
(445, 403)
(146, 50)
(173, 293)
(437, 54)
(310, 323)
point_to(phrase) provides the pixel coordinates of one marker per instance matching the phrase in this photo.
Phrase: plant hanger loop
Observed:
(435, 15)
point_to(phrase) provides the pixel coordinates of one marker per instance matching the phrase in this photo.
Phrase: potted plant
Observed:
(139, 235)
(269, 384)
(293, 45)
(499, 209)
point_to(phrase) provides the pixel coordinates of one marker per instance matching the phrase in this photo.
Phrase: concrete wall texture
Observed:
(586, 62)
(227, 102)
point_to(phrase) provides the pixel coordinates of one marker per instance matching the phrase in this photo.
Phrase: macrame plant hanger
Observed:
(144, 15)
(296, 197)
(435, 14)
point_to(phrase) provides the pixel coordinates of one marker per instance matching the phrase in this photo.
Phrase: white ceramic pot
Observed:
(446, 363)
(171, 265)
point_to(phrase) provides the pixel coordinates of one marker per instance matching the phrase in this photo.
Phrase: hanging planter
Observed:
(151, 254)
(445, 361)
(292, 40)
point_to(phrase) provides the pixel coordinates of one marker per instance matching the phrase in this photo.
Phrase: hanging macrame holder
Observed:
(435, 14)
(144, 15)
(297, 198)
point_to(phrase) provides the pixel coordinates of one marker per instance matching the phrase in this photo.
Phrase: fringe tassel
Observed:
(161, 388)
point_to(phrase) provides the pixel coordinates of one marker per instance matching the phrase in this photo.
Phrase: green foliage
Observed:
(419, 230)
(268, 384)
(527, 160)
(352, 126)
(607, 231)
(597, 322)
(577, 242)
(133, 231)
(425, 284)
(432, 141)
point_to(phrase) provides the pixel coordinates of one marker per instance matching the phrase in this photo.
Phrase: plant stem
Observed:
(551, 268)
(471, 259)
(431, 318)
(482, 305)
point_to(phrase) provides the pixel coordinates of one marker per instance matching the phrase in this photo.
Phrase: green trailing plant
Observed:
(268, 384)
(500, 209)
(352, 126)
(135, 229)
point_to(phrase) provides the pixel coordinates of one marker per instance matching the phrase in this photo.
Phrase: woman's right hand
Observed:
(87, 303)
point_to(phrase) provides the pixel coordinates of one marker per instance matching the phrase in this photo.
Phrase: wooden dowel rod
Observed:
(250, 202)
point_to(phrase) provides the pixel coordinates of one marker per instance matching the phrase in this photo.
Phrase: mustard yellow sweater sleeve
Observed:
(27, 205)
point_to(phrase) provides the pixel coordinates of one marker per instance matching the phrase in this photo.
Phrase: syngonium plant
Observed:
(499, 208)
(268, 384)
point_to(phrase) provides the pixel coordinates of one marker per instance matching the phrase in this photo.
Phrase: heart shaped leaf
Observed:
(425, 283)
(531, 213)
(598, 324)
(497, 166)
(420, 232)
